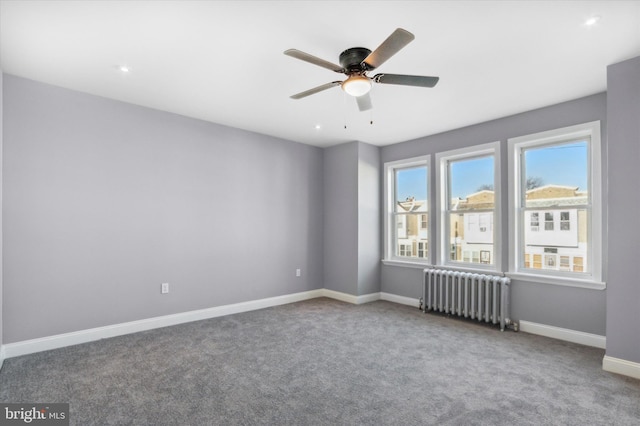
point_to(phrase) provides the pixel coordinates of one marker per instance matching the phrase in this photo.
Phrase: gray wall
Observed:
(352, 218)
(369, 219)
(566, 307)
(341, 218)
(104, 201)
(623, 293)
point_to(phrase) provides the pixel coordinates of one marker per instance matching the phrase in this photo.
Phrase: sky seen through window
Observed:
(565, 164)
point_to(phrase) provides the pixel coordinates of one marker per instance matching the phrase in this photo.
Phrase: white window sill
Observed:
(471, 268)
(568, 282)
(406, 263)
(535, 278)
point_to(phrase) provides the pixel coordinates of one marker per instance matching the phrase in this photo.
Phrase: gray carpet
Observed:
(323, 362)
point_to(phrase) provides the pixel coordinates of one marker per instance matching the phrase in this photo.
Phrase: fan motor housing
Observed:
(351, 59)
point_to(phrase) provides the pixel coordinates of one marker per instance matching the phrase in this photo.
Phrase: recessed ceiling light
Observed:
(592, 21)
(318, 127)
(124, 69)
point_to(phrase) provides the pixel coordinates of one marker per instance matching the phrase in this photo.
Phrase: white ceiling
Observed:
(222, 61)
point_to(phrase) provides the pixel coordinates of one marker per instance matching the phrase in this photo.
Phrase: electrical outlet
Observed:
(298, 272)
(165, 288)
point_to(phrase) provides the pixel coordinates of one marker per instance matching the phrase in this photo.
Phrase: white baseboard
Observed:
(350, 298)
(621, 366)
(410, 301)
(367, 298)
(26, 347)
(83, 336)
(565, 334)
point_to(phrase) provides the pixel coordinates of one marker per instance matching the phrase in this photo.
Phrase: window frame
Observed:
(592, 133)
(390, 169)
(442, 205)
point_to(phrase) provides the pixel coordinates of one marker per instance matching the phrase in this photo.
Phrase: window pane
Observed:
(560, 246)
(470, 224)
(556, 175)
(411, 237)
(537, 261)
(471, 184)
(407, 222)
(548, 221)
(411, 189)
(423, 249)
(577, 264)
(556, 198)
(535, 221)
(565, 221)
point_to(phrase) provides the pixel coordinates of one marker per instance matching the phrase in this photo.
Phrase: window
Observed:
(556, 176)
(468, 199)
(423, 222)
(555, 208)
(535, 221)
(565, 221)
(548, 221)
(423, 249)
(407, 204)
(577, 264)
(537, 261)
(404, 249)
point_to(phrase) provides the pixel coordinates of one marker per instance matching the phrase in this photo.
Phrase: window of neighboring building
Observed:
(404, 249)
(407, 204)
(537, 261)
(535, 221)
(548, 221)
(556, 176)
(565, 221)
(468, 200)
(423, 249)
(577, 264)
(423, 222)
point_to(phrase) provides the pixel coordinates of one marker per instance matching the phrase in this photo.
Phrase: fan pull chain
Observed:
(344, 109)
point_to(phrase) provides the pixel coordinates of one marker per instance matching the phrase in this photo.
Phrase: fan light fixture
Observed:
(356, 85)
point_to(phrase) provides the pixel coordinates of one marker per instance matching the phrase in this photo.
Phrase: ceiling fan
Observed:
(357, 61)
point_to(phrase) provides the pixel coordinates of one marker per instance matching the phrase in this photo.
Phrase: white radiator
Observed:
(469, 295)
